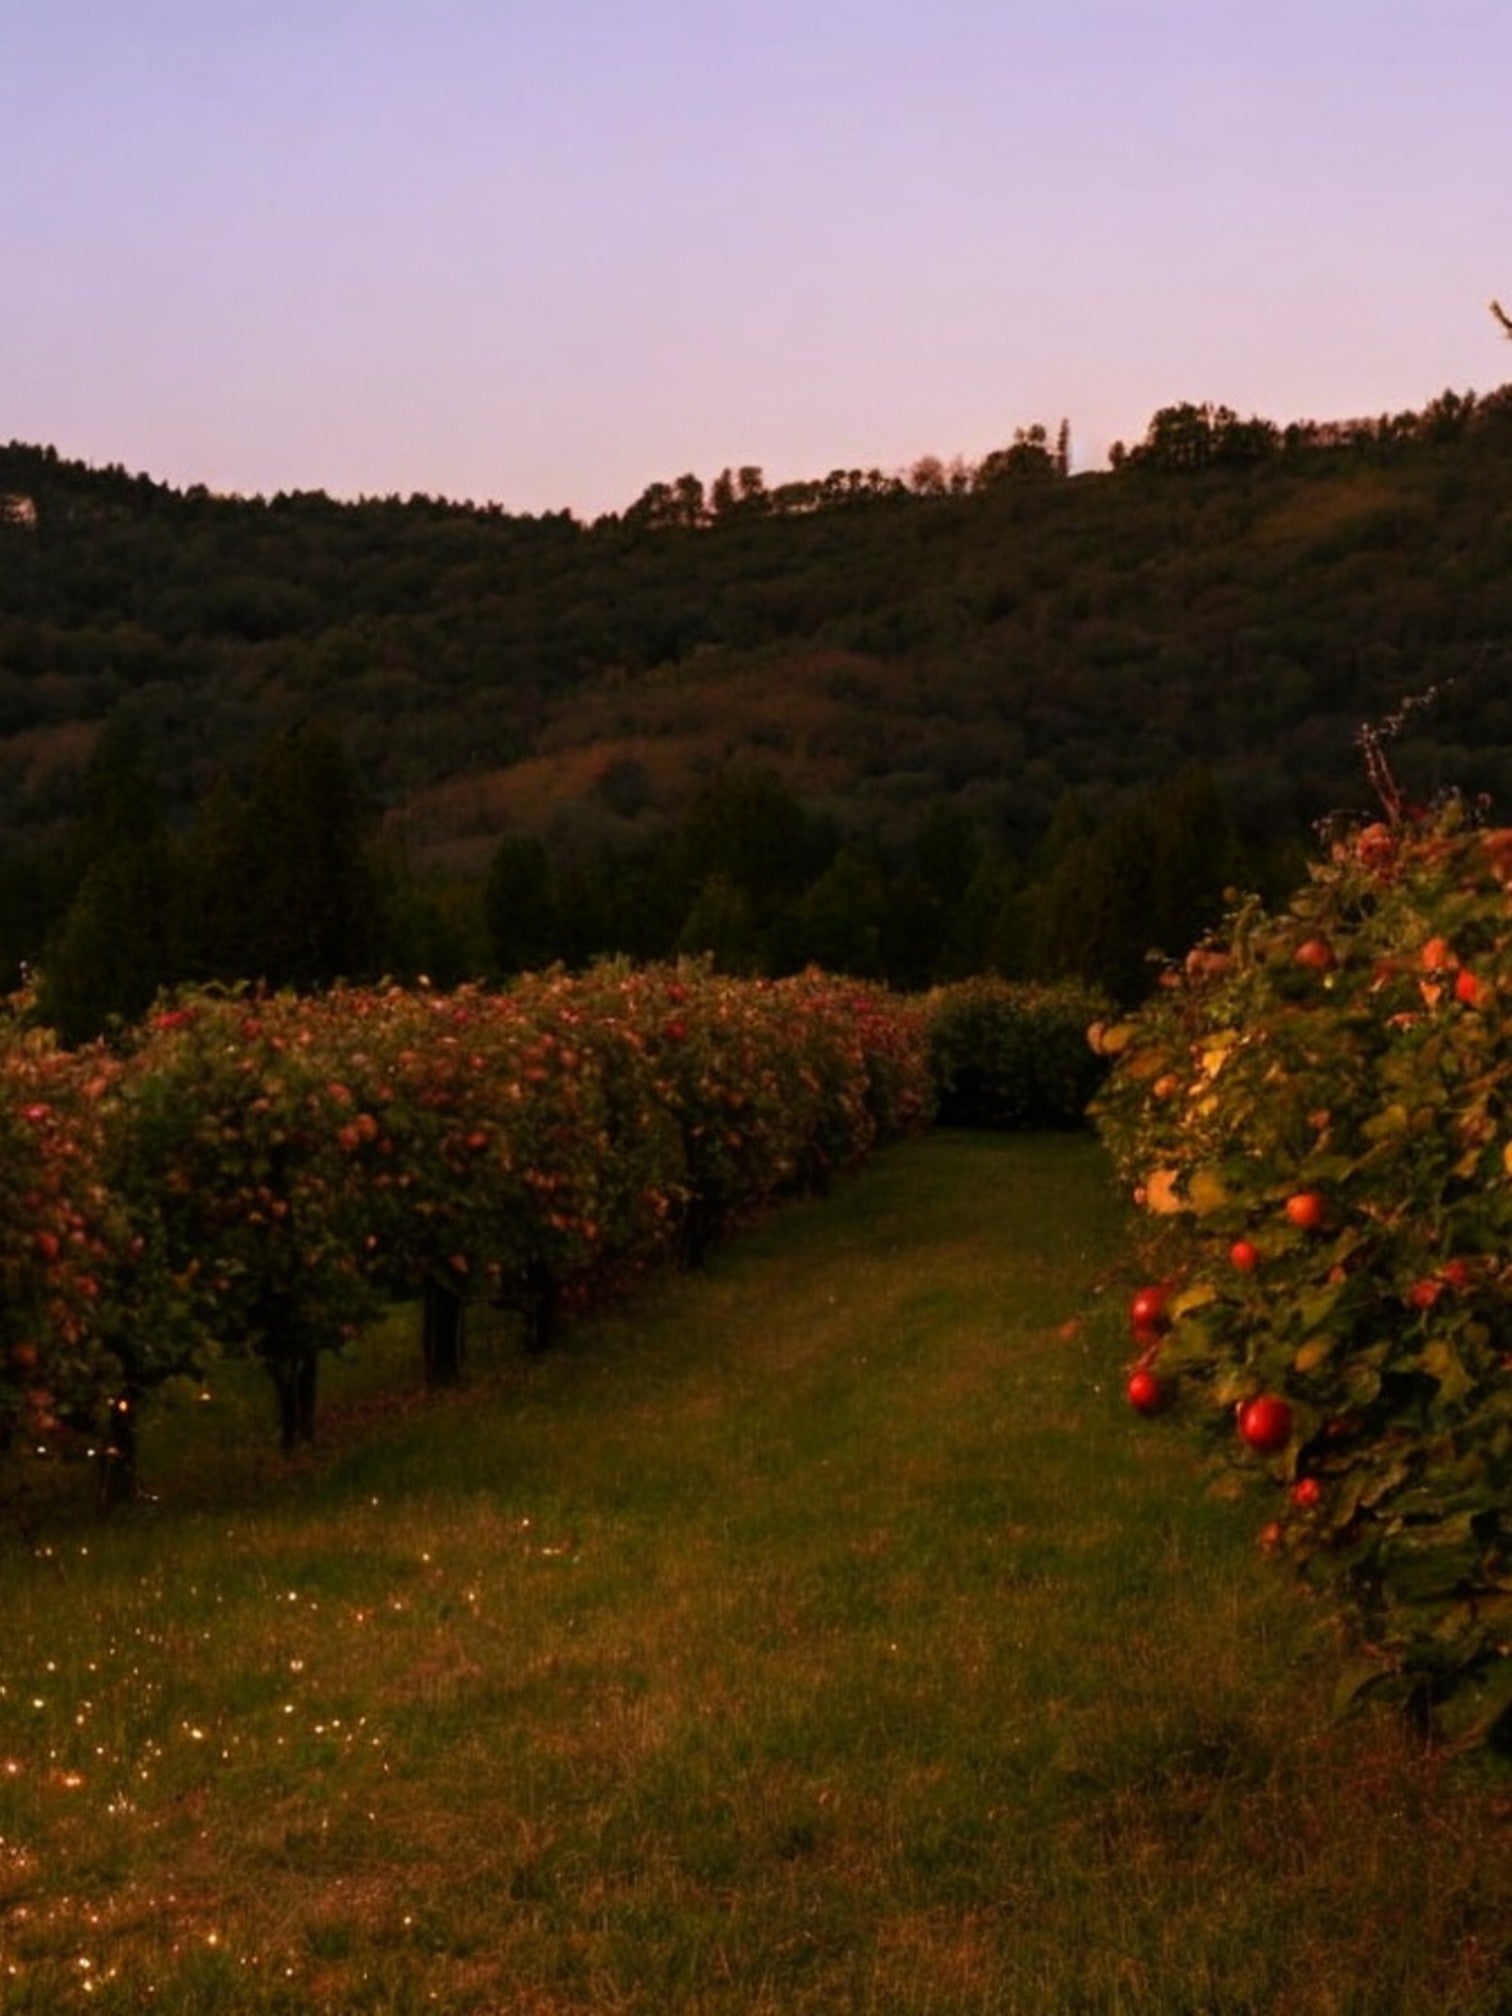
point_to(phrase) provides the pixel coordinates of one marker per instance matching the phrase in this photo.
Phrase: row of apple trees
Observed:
(259, 1175)
(1317, 1114)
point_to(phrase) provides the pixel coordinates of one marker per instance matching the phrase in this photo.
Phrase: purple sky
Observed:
(548, 251)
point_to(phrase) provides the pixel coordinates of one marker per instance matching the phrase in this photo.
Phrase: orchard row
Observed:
(1317, 1113)
(259, 1175)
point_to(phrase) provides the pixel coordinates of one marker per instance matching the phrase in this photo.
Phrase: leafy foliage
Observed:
(59, 1230)
(1233, 598)
(1012, 1054)
(259, 1172)
(1317, 1112)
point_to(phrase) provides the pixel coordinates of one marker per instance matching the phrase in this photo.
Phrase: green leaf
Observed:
(1387, 1125)
(1441, 1361)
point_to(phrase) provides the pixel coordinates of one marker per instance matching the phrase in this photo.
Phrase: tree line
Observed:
(954, 706)
(290, 883)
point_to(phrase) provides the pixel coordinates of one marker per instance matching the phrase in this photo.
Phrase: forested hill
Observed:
(984, 639)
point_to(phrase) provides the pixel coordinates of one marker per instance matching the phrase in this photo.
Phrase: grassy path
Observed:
(818, 1635)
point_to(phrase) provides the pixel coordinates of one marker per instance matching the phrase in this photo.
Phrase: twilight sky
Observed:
(548, 251)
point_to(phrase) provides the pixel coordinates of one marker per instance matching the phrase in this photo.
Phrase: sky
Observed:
(546, 252)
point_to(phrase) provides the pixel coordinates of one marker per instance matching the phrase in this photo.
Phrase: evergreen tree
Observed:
(216, 898)
(315, 898)
(113, 949)
(519, 906)
(722, 924)
(840, 917)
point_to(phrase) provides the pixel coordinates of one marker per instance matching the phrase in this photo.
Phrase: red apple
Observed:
(1423, 1294)
(1244, 1255)
(1144, 1392)
(1266, 1423)
(1375, 845)
(1147, 1311)
(1306, 1210)
(1470, 989)
(1316, 953)
(1437, 956)
(1305, 1493)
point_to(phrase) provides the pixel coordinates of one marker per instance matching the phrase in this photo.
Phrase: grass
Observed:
(819, 1634)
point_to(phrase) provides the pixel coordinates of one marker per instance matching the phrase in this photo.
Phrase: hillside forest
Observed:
(911, 726)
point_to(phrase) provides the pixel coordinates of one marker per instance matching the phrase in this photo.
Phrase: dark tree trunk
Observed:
(118, 1452)
(696, 1235)
(539, 1303)
(443, 1333)
(294, 1379)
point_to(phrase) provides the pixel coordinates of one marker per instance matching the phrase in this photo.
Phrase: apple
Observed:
(1306, 1210)
(1316, 953)
(47, 1247)
(1305, 1493)
(1144, 1392)
(1375, 845)
(1456, 1275)
(1423, 1294)
(1469, 989)
(1266, 1423)
(1147, 1311)
(1437, 956)
(1244, 1255)
(1202, 964)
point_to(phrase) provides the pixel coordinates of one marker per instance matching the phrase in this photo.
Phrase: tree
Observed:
(748, 826)
(112, 951)
(314, 893)
(519, 908)
(722, 925)
(113, 948)
(215, 898)
(841, 916)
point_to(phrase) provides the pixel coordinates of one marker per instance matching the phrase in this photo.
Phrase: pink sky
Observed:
(548, 251)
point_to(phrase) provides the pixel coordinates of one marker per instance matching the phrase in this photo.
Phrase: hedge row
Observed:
(1009, 1054)
(1317, 1114)
(259, 1175)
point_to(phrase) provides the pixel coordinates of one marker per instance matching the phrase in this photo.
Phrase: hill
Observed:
(1231, 597)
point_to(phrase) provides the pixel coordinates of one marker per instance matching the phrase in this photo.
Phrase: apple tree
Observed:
(1315, 1112)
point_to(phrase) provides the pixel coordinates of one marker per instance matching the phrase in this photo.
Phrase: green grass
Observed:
(820, 1634)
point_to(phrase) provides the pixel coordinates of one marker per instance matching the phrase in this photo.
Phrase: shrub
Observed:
(257, 1173)
(1008, 1054)
(59, 1234)
(1317, 1113)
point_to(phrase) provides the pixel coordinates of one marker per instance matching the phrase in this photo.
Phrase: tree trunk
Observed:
(443, 1333)
(294, 1380)
(696, 1235)
(539, 1303)
(118, 1452)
